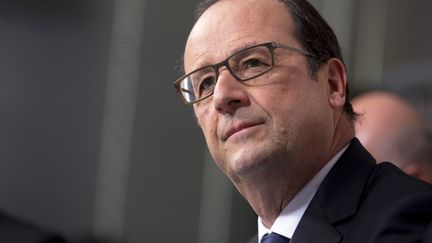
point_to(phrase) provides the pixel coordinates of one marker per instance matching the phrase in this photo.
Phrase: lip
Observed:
(239, 127)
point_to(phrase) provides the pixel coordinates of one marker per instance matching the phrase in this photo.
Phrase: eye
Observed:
(253, 63)
(206, 85)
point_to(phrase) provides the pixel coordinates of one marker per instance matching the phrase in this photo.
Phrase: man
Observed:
(391, 130)
(268, 87)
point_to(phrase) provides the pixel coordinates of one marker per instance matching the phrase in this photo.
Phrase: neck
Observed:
(344, 133)
(269, 197)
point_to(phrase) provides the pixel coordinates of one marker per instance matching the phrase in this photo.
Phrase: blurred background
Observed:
(95, 143)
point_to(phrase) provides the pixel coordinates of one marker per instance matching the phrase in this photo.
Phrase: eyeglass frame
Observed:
(271, 46)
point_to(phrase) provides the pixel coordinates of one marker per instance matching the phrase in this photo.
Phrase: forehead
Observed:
(230, 25)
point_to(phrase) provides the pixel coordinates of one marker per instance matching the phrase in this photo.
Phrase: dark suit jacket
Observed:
(427, 237)
(355, 199)
(409, 221)
(13, 230)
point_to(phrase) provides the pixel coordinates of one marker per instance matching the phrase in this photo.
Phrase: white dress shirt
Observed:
(289, 218)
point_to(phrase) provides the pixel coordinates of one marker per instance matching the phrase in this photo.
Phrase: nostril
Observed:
(234, 102)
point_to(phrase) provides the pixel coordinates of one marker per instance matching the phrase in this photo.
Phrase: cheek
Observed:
(295, 107)
(208, 124)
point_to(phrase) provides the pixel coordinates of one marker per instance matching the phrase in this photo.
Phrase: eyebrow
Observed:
(244, 46)
(232, 52)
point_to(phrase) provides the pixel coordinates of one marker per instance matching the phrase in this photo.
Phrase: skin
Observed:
(387, 129)
(270, 136)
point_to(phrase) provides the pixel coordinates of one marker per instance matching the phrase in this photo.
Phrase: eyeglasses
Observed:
(243, 65)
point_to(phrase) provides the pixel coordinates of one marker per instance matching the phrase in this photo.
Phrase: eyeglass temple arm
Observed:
(279, 45)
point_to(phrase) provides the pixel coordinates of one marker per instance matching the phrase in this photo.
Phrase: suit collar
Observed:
(337, 198)
(341, 191)
(314, 227)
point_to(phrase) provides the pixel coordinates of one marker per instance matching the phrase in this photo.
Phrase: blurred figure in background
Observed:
(391, 130)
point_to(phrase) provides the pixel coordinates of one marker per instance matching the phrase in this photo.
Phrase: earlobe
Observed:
(336, 77)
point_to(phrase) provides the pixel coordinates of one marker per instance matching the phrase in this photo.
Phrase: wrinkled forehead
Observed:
(230, 25)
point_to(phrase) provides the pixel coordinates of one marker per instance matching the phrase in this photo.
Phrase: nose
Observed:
(229, 94)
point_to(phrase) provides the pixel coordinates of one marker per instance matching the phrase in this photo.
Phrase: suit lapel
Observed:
(314, 227)
(337, 198)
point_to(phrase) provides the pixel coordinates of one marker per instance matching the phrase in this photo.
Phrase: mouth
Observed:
(238, 128)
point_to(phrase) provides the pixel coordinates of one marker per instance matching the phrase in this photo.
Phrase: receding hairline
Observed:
(283, 26)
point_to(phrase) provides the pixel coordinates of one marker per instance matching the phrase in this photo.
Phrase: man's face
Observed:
(283, 121)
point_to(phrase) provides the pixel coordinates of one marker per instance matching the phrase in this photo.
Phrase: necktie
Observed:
(274, 238)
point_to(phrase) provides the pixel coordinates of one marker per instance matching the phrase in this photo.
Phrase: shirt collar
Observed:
(289, 218)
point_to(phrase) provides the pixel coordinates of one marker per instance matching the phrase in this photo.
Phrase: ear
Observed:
(337, 82)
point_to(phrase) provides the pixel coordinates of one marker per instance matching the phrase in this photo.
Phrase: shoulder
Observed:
(15, 230)
(388, 188)
(395, 184)
(403, 203)
(408, 221)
